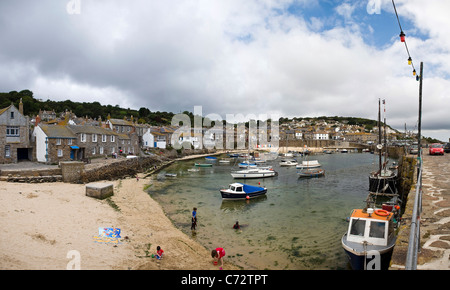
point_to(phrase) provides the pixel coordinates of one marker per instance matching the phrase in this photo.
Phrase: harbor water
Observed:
(298, 224)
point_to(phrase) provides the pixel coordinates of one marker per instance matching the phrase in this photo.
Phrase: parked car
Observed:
(436, 149)
(414, 149)
(447, 147)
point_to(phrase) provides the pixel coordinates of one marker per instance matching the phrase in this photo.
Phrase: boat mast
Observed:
(379, 136)
(385, 136)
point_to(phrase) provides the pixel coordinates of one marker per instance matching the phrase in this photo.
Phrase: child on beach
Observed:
(194, 219)
(159, 253)
(218, 254)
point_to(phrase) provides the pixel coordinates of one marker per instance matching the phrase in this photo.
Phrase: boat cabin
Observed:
(236, 187)
(371, 226)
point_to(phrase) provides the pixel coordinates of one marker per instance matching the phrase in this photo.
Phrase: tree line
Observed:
(31, 107)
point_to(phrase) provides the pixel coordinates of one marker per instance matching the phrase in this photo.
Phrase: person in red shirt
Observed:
(159, 252)
(218, 254)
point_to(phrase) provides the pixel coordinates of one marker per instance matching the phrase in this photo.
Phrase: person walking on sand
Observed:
(217, 255)
(194, 219)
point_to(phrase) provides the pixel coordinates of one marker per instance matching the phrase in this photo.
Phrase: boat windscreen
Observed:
(357, 228)
(377, 229)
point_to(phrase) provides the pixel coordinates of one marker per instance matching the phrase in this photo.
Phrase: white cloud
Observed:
(228, 56)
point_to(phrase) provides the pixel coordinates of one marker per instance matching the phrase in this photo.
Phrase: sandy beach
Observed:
(49, 225)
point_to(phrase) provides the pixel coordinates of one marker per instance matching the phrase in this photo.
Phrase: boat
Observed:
(193, 170)
(211, 158)
(239, 191)
(233, 155)
(254, 173)
(246, 164)
(171, 174)
(370, 238)
(384, 180)
(203, 164)
(314, 172)
(224, 160)
(308, 164)
(288, 162)
(344, 150)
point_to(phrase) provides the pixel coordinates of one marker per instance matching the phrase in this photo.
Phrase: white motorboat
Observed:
(254, 173)
(308, 164)
(288, 162)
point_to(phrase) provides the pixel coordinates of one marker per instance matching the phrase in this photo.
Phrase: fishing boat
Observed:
(311, 172)
(288, 162)
(238, 191)
(203, 164)
(370, 238)
(308, 164)
(384, 180)
(254, 173)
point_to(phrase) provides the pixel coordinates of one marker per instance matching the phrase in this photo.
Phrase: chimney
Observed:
(21, 106)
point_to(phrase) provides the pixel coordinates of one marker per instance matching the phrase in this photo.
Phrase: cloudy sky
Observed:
(275, 57)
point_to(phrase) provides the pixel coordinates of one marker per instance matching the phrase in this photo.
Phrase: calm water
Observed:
(297, 225)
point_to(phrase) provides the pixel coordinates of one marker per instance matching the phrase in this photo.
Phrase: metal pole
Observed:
(414, 235)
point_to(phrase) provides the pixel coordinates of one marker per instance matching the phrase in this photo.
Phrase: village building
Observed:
(15, 144)
(55, 143)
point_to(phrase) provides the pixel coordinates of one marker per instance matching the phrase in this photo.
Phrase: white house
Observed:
(321, 136)
(152, 139)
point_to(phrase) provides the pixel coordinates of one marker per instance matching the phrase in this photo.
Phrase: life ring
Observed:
(381, 212)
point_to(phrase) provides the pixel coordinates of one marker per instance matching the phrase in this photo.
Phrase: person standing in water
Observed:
(194, 219)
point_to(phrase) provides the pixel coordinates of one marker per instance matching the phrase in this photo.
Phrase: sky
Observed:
(286, 58)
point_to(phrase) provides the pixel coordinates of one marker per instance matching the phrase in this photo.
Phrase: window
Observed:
(58, 141)
(358, 227)
(83, 137)
(93, 150)
(60, 153)
(12, 115)
(7, 151)
(103, 138)
(94, 137)
(377, 230)
(12, 131)
(113, 138)
(69, 142)
(101, 150)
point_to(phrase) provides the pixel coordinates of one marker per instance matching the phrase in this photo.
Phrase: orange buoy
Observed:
(381, 212)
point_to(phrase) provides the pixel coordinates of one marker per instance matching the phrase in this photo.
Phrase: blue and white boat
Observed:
(238, 191)
(211, 158)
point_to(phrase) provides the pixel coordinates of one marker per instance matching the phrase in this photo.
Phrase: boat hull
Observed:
(363, 260)
(203, 165)
(312, 173)
(242, 175)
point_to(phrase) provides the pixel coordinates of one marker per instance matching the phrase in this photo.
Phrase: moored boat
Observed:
(242, 191)
(311, 172)
(254, 173)
(308, 164)
(370, 238)
(288, 162)
(203, 164)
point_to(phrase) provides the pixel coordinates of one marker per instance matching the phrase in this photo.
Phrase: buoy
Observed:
(381, 212)
(247, 197)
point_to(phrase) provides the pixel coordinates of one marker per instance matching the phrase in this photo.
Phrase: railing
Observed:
(414, 235)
